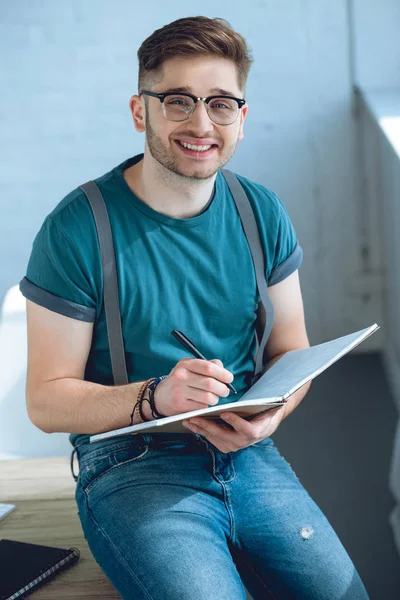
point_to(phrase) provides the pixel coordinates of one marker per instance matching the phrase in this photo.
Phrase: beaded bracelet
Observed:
(137, 408)
(142, 399)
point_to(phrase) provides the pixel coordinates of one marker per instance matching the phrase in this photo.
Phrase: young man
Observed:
(179, 516)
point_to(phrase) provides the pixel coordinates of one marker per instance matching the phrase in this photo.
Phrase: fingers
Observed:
(200, 385)
(205, 382)
(210, 368)
(217, 362)
(206, 389)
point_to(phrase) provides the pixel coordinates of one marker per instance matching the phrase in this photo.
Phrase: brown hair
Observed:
(191, 36)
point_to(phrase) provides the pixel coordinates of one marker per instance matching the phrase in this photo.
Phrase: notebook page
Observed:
(297, 367)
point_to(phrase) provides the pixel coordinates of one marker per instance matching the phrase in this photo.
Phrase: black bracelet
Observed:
(142, 416)
(139, 402)
(152, 389)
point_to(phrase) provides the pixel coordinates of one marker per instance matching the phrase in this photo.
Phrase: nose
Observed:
(199, 118)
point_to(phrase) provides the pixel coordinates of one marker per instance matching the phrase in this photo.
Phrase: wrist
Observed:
(146, 409)
(137, 415)
(152, 389)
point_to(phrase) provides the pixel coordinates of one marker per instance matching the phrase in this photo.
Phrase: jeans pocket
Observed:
(96, 464)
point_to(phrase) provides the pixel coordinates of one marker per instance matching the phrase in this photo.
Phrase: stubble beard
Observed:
(171, 164)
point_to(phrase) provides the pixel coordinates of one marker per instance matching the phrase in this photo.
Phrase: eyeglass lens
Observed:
(220, 110)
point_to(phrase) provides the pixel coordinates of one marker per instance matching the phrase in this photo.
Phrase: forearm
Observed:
(76, 406)
(294, 400)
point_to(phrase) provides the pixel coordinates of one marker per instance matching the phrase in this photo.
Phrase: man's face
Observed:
(199, 75)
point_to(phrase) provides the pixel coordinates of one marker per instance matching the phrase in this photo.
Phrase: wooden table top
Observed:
(43, 491)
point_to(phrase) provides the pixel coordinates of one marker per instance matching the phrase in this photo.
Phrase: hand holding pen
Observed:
(184, 340)
(192, 384)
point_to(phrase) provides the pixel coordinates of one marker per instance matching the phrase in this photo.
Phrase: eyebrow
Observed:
(188, 90)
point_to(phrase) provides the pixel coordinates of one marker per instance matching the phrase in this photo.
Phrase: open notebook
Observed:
(284, 378)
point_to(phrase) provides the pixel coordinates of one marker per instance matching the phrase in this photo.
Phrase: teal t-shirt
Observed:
(194, 274)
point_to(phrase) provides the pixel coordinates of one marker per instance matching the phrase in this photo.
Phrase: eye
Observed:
(225, 104)
(178, 101)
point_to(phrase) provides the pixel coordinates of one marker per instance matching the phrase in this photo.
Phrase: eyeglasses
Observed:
(222, 110)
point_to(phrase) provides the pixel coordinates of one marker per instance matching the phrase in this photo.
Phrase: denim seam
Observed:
(105, 451)
(213, 461)
(224, 488)
(113, 468)
(227, 503)
(116, 550)
(234, 473)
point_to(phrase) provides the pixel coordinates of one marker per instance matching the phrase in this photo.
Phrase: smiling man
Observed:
(188, 140)
(171, 516)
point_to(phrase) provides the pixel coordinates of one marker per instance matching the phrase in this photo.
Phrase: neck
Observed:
(167, 192)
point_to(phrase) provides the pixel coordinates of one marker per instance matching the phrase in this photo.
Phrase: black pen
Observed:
(181, 337)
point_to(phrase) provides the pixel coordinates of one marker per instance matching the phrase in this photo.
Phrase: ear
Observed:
(138, 110)
(243, 114)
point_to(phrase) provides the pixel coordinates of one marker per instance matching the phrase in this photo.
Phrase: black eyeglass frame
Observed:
(241, 102)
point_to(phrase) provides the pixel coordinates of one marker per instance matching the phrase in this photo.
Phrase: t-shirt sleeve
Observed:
(288, 254)
(57, 277)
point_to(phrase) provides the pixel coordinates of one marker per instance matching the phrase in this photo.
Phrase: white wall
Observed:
(19, 438)
(376, 48)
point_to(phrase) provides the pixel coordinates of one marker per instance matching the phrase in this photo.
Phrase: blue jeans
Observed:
(171, 517)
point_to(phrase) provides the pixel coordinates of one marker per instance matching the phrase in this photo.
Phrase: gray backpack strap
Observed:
(110, 282)
(253, 238)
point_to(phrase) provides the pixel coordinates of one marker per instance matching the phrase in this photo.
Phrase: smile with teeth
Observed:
(196, 148)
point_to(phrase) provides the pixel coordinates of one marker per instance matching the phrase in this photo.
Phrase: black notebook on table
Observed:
(24, 567)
